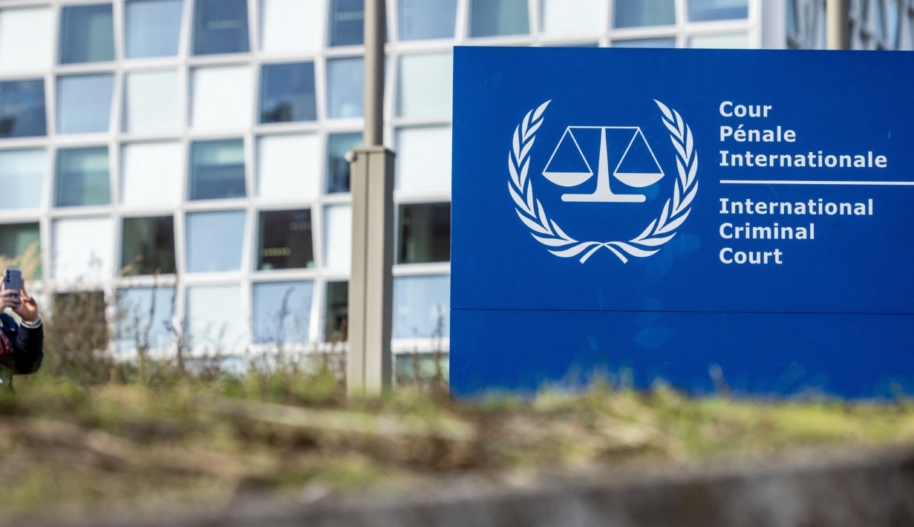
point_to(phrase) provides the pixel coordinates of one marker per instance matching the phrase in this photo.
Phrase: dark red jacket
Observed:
(28, 344)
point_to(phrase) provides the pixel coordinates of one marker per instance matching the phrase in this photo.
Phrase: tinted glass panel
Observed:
(336, 312)
(22, 111)
(82, 177)
(214, 315)
(26, 39)
(148, 246)
(288, 166)
(424, 158)
(217, 170)
(702, 10)
(20, 247)
(153, 28)
(346, 22)
(222, 97)
(152, 102)
(152, 174)
(144, 317)
(86, 34)
(421, 306)
(337, 166)
(282, 312)
(345, 88)
(637, 13)
(493, 18)
(214, 241)
(338, 237)
(82, 249)
(287, 93)
(84, 103)
(221, 26)
(646, 43)
(425, 233)
(723, 40)
(291, 26)
(285, 240)
(425, 86)
(570, 16)
(22, 178)
(424, 19)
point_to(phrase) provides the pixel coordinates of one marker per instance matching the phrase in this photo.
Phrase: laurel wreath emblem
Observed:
(649, 242)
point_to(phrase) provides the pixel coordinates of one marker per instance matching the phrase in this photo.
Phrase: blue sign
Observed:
(674, 211)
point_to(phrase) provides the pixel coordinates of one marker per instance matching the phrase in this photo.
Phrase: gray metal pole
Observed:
(370, 361)
(839, 30)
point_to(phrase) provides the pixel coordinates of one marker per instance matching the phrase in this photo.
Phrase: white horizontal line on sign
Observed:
(796, 182)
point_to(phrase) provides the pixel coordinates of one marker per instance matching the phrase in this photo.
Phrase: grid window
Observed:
(84, 103)
(148, 246)
(26, 39)
(702, 10)
(425, 233)
(222, 97)
(20, 246)
(214, 315)
(426, 84)
(291, 26)
(22, 110)
(495, 18)
(570, 16)
(22, 174)
(336, 312)
(217, 170)
(220, 26)
(153, 28)
(214, 241)
(345, 88)
(82, 249)
(338, 237)
(83, 177)
(424, 159)
(144, 317)
(284, 240)
(721, 40)
(282, 312)
(337, 165)
(86, 34)
(152, 102)
(421, 305)
(151, 174)
(346, 22)
(427, 19)
(663, 42)
(287, 93)
(287, 166)
(640, 13)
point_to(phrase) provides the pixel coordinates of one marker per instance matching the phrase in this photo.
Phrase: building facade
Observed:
(186, 158)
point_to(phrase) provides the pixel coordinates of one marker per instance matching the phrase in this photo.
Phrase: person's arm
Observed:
(28, 344)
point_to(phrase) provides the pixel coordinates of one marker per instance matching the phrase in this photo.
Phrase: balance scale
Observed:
(567, 176)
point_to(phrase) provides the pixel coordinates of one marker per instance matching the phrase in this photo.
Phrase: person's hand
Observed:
(10, 299)
(26, 308)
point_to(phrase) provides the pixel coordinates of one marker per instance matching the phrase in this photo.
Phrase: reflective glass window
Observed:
(702, 10)
(284, 240)
(152, 102)
(151, 173)
(215, 320)
(291, 26)
(346, 22)
(221, 97)
(345, 88)
(22, 110)
(84, 103)
(144, 317)
(571, 16)
(282, 312)
(26, 39)
(338, 237)
(220, 26)
(421, 306)
(418, 368)
(337, 165)
(217, 169)
(424, 233)
(86, 34)
(640, 13)
(336, 312)
(82, 249)
(721, 40)
(153, 28)
(214, 241)
(20, 245)
(288, 166)
(83, 177)
(425, 85)
(665, 42)
(494, 18)
(424, 158)
(427, 19)
(22, 174)
(287, 93)
(148, 246)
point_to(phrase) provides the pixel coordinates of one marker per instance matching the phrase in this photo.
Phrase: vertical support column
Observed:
(375, 32)
(837, 13)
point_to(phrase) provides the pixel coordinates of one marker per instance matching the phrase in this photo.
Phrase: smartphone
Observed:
(12, 280)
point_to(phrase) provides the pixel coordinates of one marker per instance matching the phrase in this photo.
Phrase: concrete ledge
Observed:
(811, 489)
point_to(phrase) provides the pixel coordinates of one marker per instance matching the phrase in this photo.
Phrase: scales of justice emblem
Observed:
(634, 166)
